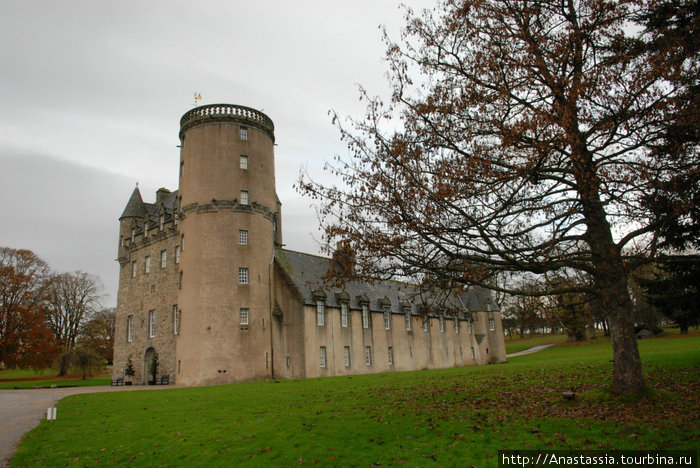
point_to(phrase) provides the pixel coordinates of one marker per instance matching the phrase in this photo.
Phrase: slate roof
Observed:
(305, 273)
(136, 208)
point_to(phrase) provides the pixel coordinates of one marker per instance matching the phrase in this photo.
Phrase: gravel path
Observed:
(22, 410)
(534, 349)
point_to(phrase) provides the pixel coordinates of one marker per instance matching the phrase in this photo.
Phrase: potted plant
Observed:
(129, 371)
(154, 368)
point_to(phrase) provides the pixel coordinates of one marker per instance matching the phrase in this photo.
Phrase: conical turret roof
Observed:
(135, 207)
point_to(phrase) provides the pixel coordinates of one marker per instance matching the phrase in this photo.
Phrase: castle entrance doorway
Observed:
(147, 364)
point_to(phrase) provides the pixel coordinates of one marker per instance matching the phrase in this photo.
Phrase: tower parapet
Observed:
(227, 113)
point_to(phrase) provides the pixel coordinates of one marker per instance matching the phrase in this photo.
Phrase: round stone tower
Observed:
(229, 226)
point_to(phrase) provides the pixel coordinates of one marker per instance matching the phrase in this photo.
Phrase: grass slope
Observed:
(450, 417)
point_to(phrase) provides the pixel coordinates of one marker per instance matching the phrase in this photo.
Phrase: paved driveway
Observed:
(22, 410)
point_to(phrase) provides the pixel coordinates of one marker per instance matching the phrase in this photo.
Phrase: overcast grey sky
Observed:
(91, 93)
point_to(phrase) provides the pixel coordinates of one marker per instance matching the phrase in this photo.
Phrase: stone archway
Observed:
(147, 361)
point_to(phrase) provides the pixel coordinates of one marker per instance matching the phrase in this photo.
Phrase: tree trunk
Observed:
(627, 365)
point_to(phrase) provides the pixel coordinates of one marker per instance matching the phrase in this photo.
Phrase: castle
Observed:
(205, 283)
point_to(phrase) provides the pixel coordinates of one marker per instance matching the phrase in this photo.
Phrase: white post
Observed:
(51, 414)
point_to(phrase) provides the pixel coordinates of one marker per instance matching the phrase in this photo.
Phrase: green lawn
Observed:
(28, 378)
(450, 417)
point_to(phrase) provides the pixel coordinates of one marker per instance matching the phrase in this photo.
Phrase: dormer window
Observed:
(133, 234)
(162, 222)
(145, 229)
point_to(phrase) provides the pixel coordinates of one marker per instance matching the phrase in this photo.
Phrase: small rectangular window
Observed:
(391, 355)
(145, 229)
(244, 133)
(365, 316)
(133, 234)
(469, 326)
(244, 162)
(243, 198)
(426, 323)
(243, 276)
(442, 324)
(473, 353)
(323, 356)
(387, 320)
(346, 355)
(244, 316)
(147, 265)
(492, 325)
(161, 225)
(134, 269)
(456, 325)
(151, 323)
(344, 314)
(176, 320)
(368, 355)
(320, 313)
(177, 254)
(163, 259)
(409, 321)
(130, 328)
(243, 237)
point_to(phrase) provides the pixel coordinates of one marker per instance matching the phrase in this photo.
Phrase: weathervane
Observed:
(197, 97)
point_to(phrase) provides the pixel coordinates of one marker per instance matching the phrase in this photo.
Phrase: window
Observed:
(179, 282)
(162, 222)
(409, 321)
(243, 198)
(492, 325)
(130, 328)
(469, 326)
(473, 353)
(244, 162)
(442, 324)
(320, 313)
(243, 237)
(151, 323)
(391, 355)
(176, 320)
(387, 320)
(182, 242)
(133, 234)
(163, 258)
(243, 276)
(368, 355)
(365, 316)
(346, 355)
(134, 269)
(177, 254)
(244, 133)
(456, 325)
(244, 316)
(147, 266)
(145, 229)
(344, 314)
(323, 356)
(426, 323)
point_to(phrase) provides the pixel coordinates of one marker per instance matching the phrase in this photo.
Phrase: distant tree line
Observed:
(44, 315)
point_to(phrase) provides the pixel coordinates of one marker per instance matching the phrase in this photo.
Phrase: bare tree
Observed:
(535, 136)
(97, 333)
(72, 299)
